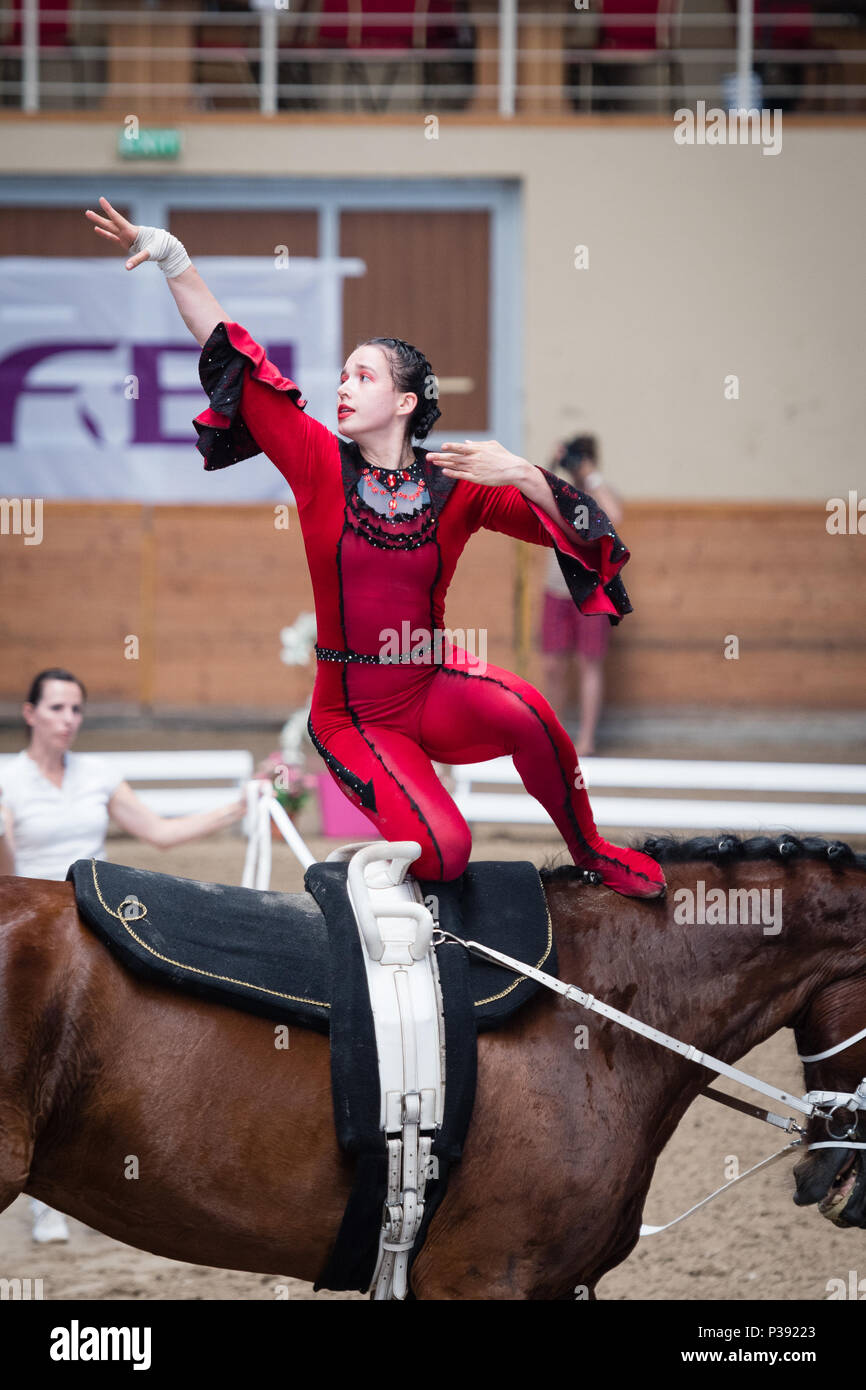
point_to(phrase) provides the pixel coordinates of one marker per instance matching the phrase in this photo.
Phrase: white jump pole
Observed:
(30, 72)
(745, 53)
(268, 73)
(507, 56)
(290, 833)
(263, 835)
(262, 807)
(248, 878)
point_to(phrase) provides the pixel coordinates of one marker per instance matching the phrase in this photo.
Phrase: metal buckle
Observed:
(852, 1128)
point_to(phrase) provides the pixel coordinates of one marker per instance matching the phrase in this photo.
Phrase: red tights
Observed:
(465, 711)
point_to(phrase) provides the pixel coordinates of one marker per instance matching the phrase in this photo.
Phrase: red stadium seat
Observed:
(53, 33)
(633, 37)
(795, 32)
(356, 32)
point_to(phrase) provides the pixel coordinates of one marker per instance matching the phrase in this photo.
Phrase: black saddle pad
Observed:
(297, 957)
(268, 953)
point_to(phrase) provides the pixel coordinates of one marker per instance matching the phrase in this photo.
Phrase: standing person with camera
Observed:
(565, 631)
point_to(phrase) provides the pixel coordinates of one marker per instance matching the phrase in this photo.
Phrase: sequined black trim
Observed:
(374, 528)
(417, 655)
(363, 789)
(419, 526)
(438, 485)
(394, 478)
(581, 582)
(221, 370)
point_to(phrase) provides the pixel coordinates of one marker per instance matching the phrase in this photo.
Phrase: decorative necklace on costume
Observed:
(393, 480)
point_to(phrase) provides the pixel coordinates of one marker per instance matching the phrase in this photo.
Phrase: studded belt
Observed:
(402, 658)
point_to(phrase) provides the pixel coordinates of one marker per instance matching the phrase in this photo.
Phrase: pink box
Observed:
(339, 816)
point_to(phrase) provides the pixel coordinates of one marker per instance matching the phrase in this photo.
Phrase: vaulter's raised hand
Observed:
(116, 228)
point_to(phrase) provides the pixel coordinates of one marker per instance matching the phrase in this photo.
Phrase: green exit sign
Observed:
(148, 144)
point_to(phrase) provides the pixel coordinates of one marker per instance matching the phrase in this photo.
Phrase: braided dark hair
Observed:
(410, 371)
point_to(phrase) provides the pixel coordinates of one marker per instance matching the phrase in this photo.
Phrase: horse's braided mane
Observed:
(723, 848)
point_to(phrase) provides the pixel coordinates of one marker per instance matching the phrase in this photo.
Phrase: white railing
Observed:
(228, 768)
(495, 58)
(662, 811)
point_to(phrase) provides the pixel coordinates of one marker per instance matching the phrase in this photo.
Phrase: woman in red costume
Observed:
(384, 524)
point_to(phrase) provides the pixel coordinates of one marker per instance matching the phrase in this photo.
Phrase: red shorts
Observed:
(565, 629)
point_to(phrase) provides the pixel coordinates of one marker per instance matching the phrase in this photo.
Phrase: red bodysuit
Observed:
(380, 567)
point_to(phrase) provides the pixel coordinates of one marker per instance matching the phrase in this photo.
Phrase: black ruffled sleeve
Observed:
(599, 547)
(224, 437)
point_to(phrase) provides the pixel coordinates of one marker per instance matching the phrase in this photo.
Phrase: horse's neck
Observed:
(700, 971)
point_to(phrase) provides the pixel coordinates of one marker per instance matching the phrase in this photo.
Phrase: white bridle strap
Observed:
(807, 1106)
(836, 1144)
(764, 1163)
(831, 1051)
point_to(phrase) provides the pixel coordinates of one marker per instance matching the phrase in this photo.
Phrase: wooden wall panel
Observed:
(427, 282)
(207, 590)
(238, 232)
(227, 581)
(40, 231)
(769, 574)
(71, 600)
(55, 231)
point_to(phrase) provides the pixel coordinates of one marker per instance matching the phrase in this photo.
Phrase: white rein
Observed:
(813, 1103)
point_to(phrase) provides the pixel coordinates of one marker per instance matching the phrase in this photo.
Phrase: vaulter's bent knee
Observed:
(450, 861)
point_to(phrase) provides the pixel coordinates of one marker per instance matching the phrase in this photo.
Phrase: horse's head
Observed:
(835, 1178)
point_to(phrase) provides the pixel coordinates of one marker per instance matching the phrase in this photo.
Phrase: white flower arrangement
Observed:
(298, 640)
(294, 735)
(297, 646)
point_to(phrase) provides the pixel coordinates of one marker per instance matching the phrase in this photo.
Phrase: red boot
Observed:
(626, 871)
(551, 773)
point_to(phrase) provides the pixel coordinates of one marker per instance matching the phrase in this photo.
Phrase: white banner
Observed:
(99, 375)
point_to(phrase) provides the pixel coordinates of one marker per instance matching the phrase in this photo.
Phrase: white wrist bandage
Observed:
(165, 249)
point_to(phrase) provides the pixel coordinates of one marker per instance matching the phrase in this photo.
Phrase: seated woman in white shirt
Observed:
(55, 809)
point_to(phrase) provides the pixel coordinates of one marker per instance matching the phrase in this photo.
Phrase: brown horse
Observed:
(176, 1125)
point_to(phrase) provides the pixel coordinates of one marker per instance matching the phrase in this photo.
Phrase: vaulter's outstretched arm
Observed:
(487, 462)
(523, 500)
(254, 408)
(200, 311)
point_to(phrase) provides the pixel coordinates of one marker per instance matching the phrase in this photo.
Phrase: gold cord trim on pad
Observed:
(491, 999)
(279, 994)
(194, 969)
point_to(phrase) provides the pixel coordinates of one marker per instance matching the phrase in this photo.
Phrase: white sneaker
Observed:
(48, 1224)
